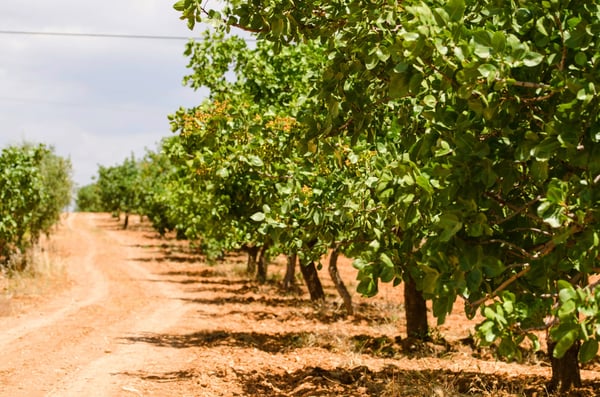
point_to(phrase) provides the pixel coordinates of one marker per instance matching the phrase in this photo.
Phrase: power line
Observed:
(96, 35)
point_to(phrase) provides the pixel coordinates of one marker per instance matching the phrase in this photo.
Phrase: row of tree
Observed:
(449, 145)
(35, 188)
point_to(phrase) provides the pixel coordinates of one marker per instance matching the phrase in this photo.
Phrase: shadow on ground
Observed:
(392, 381)
(276, 343)
(361, 381)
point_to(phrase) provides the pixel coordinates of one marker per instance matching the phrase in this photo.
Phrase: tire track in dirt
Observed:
(90, 287)
(73, 346)
(101, 376)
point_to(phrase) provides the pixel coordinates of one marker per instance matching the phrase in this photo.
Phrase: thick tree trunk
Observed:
(261, 271)
(416, 311)
(251, 264)
(290, 272)
(565, 370)
(339, 284)
(311, 278)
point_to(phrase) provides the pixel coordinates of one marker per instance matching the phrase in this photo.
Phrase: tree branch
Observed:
(531, 229)
(515, 247)
(502, 286)
(517, 210)
(561, 65)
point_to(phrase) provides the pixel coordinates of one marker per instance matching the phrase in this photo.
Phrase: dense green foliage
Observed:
(450, 143)
(88, 199)
(35, 187)
(125, 188)
(474, 139)
(118, 187)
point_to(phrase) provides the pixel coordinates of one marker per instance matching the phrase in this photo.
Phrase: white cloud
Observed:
(94, 99)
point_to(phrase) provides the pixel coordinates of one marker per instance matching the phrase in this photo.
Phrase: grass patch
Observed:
(43, 273)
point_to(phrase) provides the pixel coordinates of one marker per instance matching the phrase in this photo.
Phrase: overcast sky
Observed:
(95, 100)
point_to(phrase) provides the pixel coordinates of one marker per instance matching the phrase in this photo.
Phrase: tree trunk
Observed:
(416, 311)
(565, 370)
(339, 284)
(311, 278)
(290, 272)
(251, 265)
(261, 273)
(126, 221)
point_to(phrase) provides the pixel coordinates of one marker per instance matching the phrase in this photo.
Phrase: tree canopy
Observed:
(472, 130)
(35, 188)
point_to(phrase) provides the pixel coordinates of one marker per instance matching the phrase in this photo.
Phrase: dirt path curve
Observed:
(73, 345)
(146, 317)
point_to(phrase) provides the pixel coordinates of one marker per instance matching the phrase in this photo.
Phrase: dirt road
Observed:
(72, 344)
(141, 316)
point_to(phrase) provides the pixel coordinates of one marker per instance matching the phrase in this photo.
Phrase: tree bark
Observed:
(251, 264)
(339, 283)
(126, 223)
(311, 278)
(565, 370)
(416, 311)
(261, 273)
(290, 272)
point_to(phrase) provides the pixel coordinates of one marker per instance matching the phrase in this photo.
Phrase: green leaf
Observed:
(546, 149)
(180, 5)
(222, 172)
(423, 182)
(489, 313)
(567, 309)
(258, 217)
(532, 59)
(382, 53)
(492, 267)
(482, 51)
(566, 292)
(487, 329)
(498, 41)
(429, 281)
(317, 217)
(588, 350)
(430, 101)
(455, 9)
(565, 343)
(367, 287)
(488, 70)
(450, 224)
(539, 170)
(255, 161)
(387, 274)
(398, 85)
(581, 59)
(386, 260)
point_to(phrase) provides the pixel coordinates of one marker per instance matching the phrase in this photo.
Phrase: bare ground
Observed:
(135, 315)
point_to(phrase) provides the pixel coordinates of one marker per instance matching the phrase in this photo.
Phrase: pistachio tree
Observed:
(236, 146)
(35, 188)
(119, 188)
(494, 112)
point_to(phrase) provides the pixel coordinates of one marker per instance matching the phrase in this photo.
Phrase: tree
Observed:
(55, 173)
(35, 187)
(494, 114)
(156, 171)
(119, 188)
(88, 199)
(236, 145)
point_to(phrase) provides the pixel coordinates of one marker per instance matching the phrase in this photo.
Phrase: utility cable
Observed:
(96, 35)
